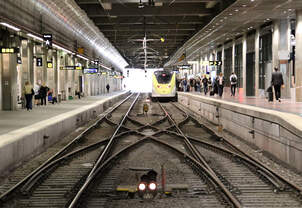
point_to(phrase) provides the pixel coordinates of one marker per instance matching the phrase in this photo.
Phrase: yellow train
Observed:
(164, 84)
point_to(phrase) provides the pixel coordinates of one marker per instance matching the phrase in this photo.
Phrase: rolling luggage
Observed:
(270, 96)
(212, 93)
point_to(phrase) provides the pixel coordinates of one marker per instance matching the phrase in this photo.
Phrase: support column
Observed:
(222, 59)
(257, 45)
(233, 56)
(244, 50)
(55, 72)
(9, 81)
(44, 66)
(275, 44)
(299, 57)
(30, 61)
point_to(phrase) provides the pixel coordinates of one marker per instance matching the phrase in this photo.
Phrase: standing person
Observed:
(184, 84)
(28, 93)
(220, 82)
(43, 93)
(195, 84)
(107, 87)
(198, 84)
(210, 83)
(37, 94)
(233, 80)
(277, 82)
(205, 84)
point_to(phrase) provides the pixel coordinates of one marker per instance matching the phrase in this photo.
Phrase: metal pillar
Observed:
(299, 57)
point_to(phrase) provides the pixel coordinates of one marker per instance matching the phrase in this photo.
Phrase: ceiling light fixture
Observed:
(61, 48)
(10, 26)
(34, 37)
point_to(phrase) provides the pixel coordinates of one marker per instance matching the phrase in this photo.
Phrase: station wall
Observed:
(63, 83)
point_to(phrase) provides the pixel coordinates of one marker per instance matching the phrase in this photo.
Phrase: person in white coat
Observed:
(233, 80)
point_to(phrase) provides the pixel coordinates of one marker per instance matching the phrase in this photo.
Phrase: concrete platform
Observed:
(278, 133)
(27, 133)
(286, 105)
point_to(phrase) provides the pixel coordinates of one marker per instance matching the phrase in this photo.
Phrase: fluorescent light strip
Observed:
(82, 57)
(105, 67)
(61, 48)
(10, 26)
(34, 37)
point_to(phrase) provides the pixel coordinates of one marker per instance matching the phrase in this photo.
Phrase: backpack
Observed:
(234, 79)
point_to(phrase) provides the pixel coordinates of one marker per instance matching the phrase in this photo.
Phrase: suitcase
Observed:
(212, 93)
(270, 97)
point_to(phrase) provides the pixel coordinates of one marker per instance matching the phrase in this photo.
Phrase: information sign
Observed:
(90, 71)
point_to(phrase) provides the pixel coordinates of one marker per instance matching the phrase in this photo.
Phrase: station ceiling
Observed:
(166, 24)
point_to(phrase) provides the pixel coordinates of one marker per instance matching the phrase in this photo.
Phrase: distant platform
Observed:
(286, 105)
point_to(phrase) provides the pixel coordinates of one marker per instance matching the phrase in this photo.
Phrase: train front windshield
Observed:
(163, 77)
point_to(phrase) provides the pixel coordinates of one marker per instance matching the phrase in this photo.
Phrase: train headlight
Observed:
(169, 86)
(152, 186)
(158, 86)
(142, 187)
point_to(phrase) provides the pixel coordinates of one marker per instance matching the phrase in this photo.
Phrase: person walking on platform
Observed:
(220, 83)
(205, 84)
(233, 80)
(184, 84)
(43, 93)
(107, 87)
(277, 82)
(28, 92)
(37, 95)
(210, 84)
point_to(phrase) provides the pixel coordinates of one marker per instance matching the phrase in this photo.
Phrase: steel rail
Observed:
(263, 171)
(255, 160)
(60, 152)
(102, 157)
(205, 165)
(34, 178)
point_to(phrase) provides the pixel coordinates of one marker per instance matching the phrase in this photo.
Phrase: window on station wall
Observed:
(238, 64)
(265, 57)
(227, 65)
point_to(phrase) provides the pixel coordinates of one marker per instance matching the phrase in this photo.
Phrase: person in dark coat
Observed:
(107, 87)
(205, 84)
(277, 82)
(43, 93)
(220, 83)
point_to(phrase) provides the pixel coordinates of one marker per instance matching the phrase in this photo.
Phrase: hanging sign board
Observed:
(215, 63)
(81, 51)
(49, 64)
(9, 50)
(90, 71)
(183, 67)
(67, 68)
(19, 60)
(48, 40)
(39, 62)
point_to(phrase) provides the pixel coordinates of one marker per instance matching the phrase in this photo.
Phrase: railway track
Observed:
(201, 169)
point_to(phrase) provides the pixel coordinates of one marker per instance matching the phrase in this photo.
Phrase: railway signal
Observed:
(147, 188)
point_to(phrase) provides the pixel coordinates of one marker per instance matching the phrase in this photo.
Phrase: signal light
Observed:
(141, 186)
(152, 186)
